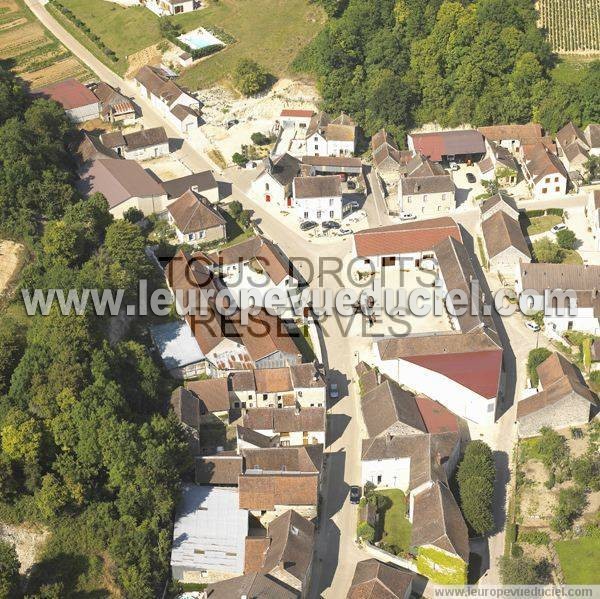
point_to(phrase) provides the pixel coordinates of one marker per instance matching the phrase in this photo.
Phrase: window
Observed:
(331, 213)
(190, 236)
(408, 199)
(265, 396)
(331, 201)
(425, 197)
(491, 407)
(547, 180)
(306, 215)
(379, 479)
(249, 395)
(236, 404)
(199, 551)
(443, 197)
(557, 189)
(544, 190)
(279, 397)
(318, 214)
(266, 187)
(556, 179)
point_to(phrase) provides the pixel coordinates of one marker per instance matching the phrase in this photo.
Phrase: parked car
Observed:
(407, 216)
(330, 224)
(453, 166)
(351, 185)
(232, 122)
(471, 178)
(354, 494)
(345, 231)
(334, 390)
(352, 205)
(560, 227)
(307, 225)
(533, 326)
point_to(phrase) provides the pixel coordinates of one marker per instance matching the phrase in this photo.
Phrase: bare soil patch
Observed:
(10, 262)
(63, 69)
(27, 539)
(537, 502)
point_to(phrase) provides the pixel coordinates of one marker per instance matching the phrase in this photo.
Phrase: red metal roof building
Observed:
(79, 102)
(460, 145)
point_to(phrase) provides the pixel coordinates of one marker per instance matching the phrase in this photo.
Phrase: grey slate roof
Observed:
(199, 182)
(501, 232)
(422, 185)
(376, 580)
(317, 187)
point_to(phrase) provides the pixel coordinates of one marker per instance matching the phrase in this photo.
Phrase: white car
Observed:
(407, 216)
(334, 391)
(344, 231)
(560, 227)
(532, 326)
(453, 166)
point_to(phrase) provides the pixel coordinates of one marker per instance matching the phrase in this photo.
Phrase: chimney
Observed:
(294, 530)
(195, 189)
(417, 187)
(438, 458)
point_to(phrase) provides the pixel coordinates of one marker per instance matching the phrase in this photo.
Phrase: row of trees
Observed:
(86, 446)
(400, 63)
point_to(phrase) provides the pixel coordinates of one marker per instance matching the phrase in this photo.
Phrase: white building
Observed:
(318, 198)
(273, 182)
(145, 144)
(179, 107)
(513, 137)
(581, 312)
(326, 137)
(171, 7)
(545, 173)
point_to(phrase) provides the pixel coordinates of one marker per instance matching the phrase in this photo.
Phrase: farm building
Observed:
(461, 145)
(139, 145)
(79, 102)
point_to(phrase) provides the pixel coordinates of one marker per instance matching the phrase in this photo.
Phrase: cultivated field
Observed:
(30, 51)
(573, 25)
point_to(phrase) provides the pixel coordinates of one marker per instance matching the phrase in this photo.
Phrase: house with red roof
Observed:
(462, 145)
(79, 102)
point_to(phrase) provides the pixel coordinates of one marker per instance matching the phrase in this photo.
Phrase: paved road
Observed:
(151, 117)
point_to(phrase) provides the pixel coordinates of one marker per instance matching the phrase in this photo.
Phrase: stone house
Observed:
(564, 401)
(273, 182)
(144, 144)
(318, 198)
(375, 579)
(196, 220)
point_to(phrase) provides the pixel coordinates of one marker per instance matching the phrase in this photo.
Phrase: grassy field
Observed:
(541, 224)
(272, 32)
(269, 31)
(579, 560)
(30, 51)
(396, 526)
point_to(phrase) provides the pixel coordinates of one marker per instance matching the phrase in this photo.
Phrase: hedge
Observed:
(85, 30)
(549, 211)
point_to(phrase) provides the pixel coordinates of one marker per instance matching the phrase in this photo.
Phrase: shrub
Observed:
(260, 139)
(521, 570)
(535, 358)
(534, 537)
(570, 506)
(555, 211)
(547, 251)
(552, 449)
(9, 570)
(476, 474)
(534, 213)
(586, 472)
(239, 159)
(244, 218)
(595, 381)
(235, 209)
(365, 531)
(566, 239)
(133, 214)
(549, 484)
(249, 77)
(516, 551)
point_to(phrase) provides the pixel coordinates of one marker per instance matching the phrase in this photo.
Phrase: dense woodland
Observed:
(402, 63)
(86, 447)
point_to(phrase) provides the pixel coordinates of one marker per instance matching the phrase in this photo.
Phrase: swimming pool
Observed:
(200, 38)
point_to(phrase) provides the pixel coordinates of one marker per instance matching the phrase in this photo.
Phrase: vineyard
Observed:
(573, 25)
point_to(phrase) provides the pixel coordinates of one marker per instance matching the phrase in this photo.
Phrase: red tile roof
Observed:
(297, 113)
(478, 371)
(437, 418)
(70, 93)
(405, 238)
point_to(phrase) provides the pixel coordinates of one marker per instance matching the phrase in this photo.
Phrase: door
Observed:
(267, 197)
(289, 202)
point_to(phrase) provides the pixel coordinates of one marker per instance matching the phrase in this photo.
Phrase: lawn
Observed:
(396, 526)
(31, 51)
(272, 32)
(269, 31)
(571, 257)
(579, 559)
(541, 224)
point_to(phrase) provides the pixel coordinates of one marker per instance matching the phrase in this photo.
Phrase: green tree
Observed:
(585, 471)
(52, 497)
(61, 243)
(125, 244)
(552, 449)
(239, 159)
(249, 77)
(571, 502)
(547, 251)
(476, 475)
(9, 569)
(133, 215)
(592, 168)
(566, 239)
(534, 359)
(260, 139)
(522, 570)
(235, 209)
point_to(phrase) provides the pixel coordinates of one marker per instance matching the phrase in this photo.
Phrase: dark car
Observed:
(330, 224)
(471, 178)
(354, 494)
(232, 122)
(307, 225)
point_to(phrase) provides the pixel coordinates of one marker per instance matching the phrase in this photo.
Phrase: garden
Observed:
(555, 533)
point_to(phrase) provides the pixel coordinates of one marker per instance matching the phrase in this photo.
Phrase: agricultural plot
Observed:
(573, 25)
(30, 51)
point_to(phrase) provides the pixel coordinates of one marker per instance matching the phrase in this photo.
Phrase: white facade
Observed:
(318, 145)
(265, 188)
(426, 204)
(390, 474)
(148, 205)
(170, 7)
(319, 209)
(147, 153)
(550, 187)
(458, 399)
(296, 437)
